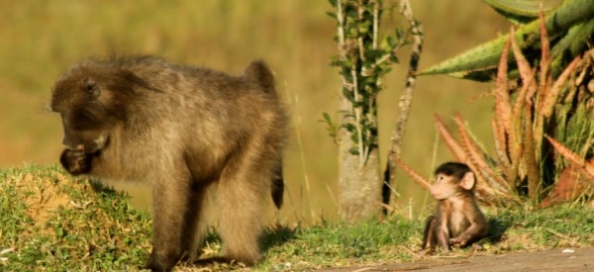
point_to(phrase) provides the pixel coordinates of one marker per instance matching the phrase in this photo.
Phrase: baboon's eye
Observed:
(93, 90)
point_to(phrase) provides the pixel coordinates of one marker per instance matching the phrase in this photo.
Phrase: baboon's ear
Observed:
(131, 79)
(468, 181)
(92, 88)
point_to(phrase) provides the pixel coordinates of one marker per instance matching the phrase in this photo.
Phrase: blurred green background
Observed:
(40, 39)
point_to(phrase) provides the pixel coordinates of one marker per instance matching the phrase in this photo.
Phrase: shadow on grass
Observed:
(271, 236)
(276, 236)
(497, 229)
(100, 188)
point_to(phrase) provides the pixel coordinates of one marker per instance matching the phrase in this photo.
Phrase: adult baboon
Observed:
(192, 132)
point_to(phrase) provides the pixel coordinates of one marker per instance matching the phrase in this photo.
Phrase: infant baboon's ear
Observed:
(468, 181)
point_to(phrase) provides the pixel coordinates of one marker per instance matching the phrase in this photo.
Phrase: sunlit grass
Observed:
(57, 223)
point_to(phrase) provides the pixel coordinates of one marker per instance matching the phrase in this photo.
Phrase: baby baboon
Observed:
(458, 220)
(192, 132)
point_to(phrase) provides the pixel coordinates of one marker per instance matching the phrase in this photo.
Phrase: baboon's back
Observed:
(219, 113)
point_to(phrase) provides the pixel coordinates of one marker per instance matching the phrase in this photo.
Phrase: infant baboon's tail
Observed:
(278, 185)
(259, 72)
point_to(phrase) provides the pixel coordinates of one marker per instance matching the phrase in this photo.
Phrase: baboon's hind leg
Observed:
(242, 189)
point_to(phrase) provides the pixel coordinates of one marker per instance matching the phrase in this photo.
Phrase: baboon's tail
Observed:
(259, 72)
(278, 185)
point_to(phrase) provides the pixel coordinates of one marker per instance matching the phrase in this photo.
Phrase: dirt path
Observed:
(547, 260)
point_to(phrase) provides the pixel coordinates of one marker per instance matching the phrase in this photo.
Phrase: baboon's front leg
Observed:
(169, 206)
(429, 237)
(443, 236)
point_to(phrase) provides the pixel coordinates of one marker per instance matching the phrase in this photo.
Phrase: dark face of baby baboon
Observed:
(194, 134)
(452, 178)
(458, 220)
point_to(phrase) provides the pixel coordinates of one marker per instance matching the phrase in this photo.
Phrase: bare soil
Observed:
(557, 259)
(42, 197)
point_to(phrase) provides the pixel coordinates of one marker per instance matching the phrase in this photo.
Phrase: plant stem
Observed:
(405, 99)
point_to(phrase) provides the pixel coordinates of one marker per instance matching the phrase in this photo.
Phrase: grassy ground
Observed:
(39, 40)
(52, 222)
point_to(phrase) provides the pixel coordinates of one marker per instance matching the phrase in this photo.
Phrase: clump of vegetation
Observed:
(365, 57)
(52, 221)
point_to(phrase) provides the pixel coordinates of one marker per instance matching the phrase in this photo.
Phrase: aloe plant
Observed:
(542, 130)
(569, 23)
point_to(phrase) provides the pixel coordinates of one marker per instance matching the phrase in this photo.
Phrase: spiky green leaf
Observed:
(523, 11)
(571, 13)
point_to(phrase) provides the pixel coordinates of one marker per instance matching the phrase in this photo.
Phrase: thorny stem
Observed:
(375, 22)
(340, 26)
(406, 99)
(362, 147)
(358, 116)
(376, 7)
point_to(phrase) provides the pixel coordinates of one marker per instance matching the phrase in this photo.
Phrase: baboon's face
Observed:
(444, 187)
(448, 186)
(89, 140)
(90, 102)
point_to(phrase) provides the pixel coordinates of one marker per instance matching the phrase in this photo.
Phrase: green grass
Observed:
(50, 221)
(53, 222)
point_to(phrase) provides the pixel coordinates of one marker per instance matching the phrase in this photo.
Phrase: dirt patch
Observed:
(557, 259)
(42, 197)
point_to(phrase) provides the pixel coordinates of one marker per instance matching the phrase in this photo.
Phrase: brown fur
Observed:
(458, 220)
(192, 132)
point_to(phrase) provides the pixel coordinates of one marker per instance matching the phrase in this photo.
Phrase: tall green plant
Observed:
(364, 58)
